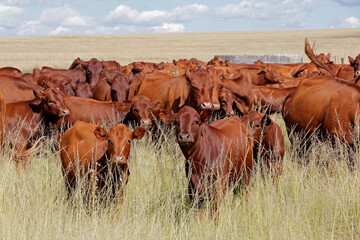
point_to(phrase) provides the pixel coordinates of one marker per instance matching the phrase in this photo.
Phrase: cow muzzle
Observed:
(184, 138)
(119, 160)
(206, 106)
(216, 106)
(146, 123)
(64, 113)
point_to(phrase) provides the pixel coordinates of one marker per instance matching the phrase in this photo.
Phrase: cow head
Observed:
(52, 100)
(271, 74)
(142, 110)
(187, 124)
(119, 139)
(256, 123)
(202, 84)
(120, 85)
(81, 89)
(356, 64)
(94, 69)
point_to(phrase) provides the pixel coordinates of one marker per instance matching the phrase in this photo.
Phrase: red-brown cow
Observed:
(269, 143)
(323, 106)
(31, 118)
(217, 155)
(10, 71)
(74, 74)
(194, 89)
(270, 99)
(86, 147)
(17, 89)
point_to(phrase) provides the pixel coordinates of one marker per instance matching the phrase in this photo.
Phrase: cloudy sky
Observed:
(65, 17)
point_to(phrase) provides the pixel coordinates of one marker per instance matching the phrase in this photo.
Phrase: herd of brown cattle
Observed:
(319, 98)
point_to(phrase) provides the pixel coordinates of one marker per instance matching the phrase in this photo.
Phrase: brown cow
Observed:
(17, 89)
(261, 75)
(74, 74)
(10, 71)
(89, 148)
(138, 111)
(236, 96)
(323, 106)
(31, 118)
(269, 143)
(355, 63)
(194, 89)
(220, 153)
(271, 99)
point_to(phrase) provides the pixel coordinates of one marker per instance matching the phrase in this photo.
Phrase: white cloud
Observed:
(298, 21)
(353, 22)
(60, 30)
(10, 16)
(348, 2)
(127, 15)
(263, 10)
(56, 15)
(23, 2)
(31, 28)
(169, 28)
(76, 21)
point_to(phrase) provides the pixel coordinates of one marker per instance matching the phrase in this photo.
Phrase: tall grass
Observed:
(312, 201)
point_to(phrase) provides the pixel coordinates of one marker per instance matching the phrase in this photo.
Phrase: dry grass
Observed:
(26, 53)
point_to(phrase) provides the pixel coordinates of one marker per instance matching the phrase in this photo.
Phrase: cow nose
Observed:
(145, 123)
(184, 137)
(206, 105)
(64, 113)
(216, 106)
(230, 113)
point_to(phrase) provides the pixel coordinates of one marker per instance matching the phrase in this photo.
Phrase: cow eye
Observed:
(223, 103)
(50, 101)
(101, 72)
(197, 122)
(135, 110)
(88, 71)
(176, 122)
(211, 87)
(129, 141)
(194, 87)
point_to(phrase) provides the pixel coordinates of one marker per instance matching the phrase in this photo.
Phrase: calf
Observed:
(87, 146)
(220, 153)
(269, 143)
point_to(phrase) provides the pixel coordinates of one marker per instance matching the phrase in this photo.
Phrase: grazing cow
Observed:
(32, 117)
(269, 143)
(355, 63)
(261, 75)
(10, 71)
(323, 106)
(194, 89)
(87, 148)
(217, 155)
(17, 89)
(271, 99)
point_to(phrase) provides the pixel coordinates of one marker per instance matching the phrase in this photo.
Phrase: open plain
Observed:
(318, 200)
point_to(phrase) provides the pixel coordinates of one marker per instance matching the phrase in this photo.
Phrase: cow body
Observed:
(87, 146)
(17, 89)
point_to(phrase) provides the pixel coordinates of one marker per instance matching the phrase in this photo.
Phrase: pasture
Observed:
(318, 200)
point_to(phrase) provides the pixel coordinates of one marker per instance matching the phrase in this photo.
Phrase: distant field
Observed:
(59, 51)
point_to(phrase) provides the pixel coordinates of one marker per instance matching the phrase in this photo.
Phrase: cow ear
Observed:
(100, 133)
(138, 133)
(188, 73)
(123, 106)
(39, 94)
(351, 60)
(266, 120)
(156, 105)
(103, 64)
(166, 117)
(206, 115)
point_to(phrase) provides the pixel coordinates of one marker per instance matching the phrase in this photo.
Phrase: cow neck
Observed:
(190, 100)
(206, 142)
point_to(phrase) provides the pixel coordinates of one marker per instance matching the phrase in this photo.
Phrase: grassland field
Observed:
(318, 200)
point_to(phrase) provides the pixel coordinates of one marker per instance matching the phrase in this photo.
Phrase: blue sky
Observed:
(65, 17)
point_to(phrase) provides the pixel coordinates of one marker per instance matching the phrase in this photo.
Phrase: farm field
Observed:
(318, 200)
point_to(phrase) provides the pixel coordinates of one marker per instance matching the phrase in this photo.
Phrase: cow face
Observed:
(187, 125)
(120, 85)
(119, 139)
(256, 123)
(271, 74)
(202, 84)
(94, 69)
(226, 100)
(142, 110)
(53, 101)
(81, 89)
(356, 64)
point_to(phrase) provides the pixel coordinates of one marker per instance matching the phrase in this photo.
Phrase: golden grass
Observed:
(26, 53)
